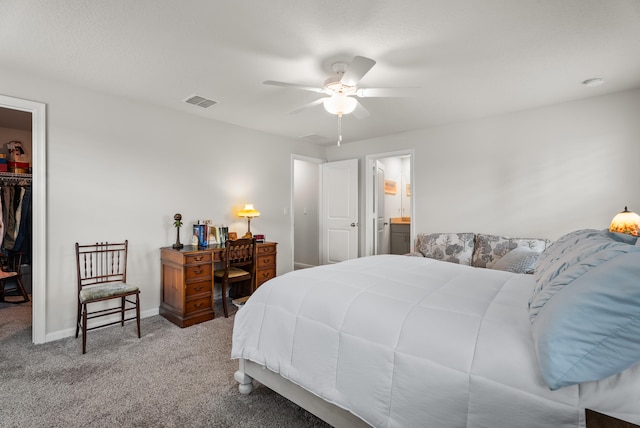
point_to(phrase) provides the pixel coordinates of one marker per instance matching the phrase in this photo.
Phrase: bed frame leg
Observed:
(245, 381)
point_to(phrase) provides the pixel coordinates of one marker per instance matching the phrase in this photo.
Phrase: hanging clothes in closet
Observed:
(15, 224)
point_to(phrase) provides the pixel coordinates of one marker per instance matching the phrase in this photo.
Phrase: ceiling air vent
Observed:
(199, 101)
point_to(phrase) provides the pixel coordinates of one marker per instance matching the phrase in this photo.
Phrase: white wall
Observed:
(118, 169)
(541, 172)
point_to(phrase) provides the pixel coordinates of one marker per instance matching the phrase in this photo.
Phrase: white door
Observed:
(339, 211)
(380, 246)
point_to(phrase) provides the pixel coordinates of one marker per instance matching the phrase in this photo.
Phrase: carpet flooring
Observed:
(171, 377)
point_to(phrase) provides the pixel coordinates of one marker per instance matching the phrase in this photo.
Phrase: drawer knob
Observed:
(198, 271)
(197, 305)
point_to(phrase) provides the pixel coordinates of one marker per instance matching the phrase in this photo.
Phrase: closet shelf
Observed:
(13, 178)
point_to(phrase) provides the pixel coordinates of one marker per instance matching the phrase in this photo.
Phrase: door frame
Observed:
(368, 199)
(375, 205)
(39, 210)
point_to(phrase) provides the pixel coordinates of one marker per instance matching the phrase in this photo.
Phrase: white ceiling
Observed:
(470, 58)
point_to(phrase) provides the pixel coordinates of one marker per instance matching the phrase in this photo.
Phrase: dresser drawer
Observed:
(196, 288)
(197, 258)
(264, 275)
(266, 261)
(265, 249)
(198, 272)
(197, 305)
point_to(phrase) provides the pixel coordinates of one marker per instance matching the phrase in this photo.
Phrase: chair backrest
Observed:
(240, 253)
(101, 263)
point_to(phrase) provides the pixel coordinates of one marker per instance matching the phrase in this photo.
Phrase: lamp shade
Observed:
(340, 104)
(248, 211)
(626, 222)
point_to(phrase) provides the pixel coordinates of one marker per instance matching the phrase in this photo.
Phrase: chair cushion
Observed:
(234, 272)
(112, 289)
(5, 275)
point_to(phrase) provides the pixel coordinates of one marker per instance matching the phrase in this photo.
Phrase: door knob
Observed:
(354, 224)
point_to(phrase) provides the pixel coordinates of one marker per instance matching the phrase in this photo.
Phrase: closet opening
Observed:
(16, 149)
(34, 113)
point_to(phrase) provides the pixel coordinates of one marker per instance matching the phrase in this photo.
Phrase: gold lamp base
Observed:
(248, 234)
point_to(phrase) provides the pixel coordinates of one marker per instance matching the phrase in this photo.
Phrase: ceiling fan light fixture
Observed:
(339, 104)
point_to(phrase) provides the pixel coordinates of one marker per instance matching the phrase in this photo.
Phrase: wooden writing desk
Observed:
(187, 280)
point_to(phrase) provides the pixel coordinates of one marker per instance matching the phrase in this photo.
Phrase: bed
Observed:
(396, 341)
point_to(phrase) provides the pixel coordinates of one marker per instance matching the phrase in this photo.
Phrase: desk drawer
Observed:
(198, 271)
(266, 261)
(197, 258)
(265, 249)
(196, 288)
(197, 305)
(264, 275)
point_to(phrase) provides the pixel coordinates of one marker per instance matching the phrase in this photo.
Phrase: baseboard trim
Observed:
(61, 334)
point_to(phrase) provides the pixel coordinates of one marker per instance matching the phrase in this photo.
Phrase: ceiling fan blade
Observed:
(356, 71)
(307, 106)
(404, 92)
(293, 85)
(360, 112)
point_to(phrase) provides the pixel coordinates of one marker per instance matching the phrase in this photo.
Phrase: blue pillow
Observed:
(585, 308)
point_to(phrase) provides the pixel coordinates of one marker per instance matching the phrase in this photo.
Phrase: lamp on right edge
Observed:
(626, 222)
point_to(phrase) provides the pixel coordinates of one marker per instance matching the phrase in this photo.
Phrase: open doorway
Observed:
(305, 211)
(19, 113)
(389, 203)
(15, 217)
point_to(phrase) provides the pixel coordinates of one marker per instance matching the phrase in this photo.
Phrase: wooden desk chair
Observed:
(239, 258)
(102, 275)
(10, 265)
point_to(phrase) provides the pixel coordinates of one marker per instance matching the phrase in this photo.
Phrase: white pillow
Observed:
(518, 260)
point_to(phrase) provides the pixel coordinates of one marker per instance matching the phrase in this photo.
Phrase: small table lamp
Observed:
(626, 222)
(248, 212)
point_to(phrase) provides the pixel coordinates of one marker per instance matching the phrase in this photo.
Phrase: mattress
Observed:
(409, 341)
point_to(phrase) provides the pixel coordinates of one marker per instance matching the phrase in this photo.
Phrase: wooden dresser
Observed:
(187, 280)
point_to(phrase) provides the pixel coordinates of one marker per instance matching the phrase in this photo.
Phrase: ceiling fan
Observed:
(342, 90)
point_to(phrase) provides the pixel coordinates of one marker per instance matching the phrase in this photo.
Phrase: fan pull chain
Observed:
(339, 129)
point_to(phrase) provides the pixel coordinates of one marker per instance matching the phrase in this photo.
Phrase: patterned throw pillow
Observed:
(519, 260)
(490, 248)
(449, 247)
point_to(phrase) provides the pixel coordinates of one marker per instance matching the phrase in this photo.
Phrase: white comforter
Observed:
(409, 341)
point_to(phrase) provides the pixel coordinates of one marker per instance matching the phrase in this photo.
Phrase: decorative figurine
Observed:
(177, 223)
